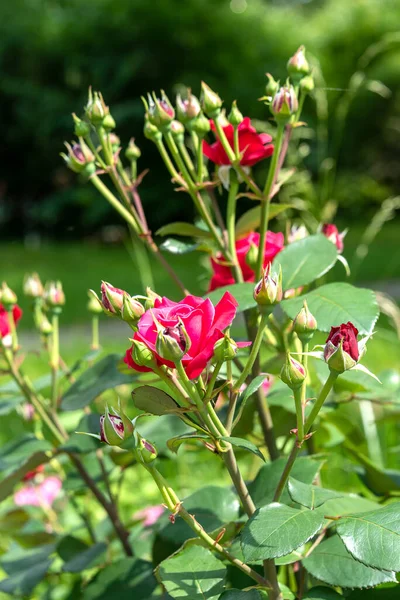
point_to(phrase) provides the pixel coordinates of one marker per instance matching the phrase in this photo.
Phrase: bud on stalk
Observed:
(284, 104)
(82, 128)
(305, 324)
(53, 295)
(268, 290)
(293, 373)
(298, 66)
(8, 297)
(272, 86)
(115, 428)
(172, 342)
(132, 152)
(142, 355)
(131, 310)
(225, 349)
(177, 130)
(160, 111)
(151, 298)
(151, 132)
(200, 125)
(211, 103)
(235, 117)
(341, 351)
(112, 298)
(96, 109)
(188, 109)
(79, 158)
(33, 287)
(147, 451)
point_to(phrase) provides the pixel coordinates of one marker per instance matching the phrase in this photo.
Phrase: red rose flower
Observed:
(332, 233)
(222, 274)
(346, 332)
(4, 319)
(255, 146)
(203, 323)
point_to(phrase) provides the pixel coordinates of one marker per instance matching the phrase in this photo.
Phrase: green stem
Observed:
(188, 161)
(115, 203)
(55, 360)
(307, 426)
(175, 506)
(178, 159)
(230, 225)
(13, 329)
(211, 383)
(167, 161)
(255, 348)
(200, 159)
(95, 332)
(297, 392)
(266, 201)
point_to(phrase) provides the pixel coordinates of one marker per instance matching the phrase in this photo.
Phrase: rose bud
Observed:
(341, 348)
(115, 428)
(142, 355)
(307, 84)
(112, 298)
(94, 305)
(79, 157)
(305, 324)
(188, 109)
(225, 349)
(235, 117)
(131, 310)
(172, 342)
(284, 104)
(151, 132)
(151, 298)
(332, 233)
(272, 86)
(132, 152)
(177, 130)
(53, 294)
(297, 65)
(160, 111)
(297, 233)
(293, 373)
(82, 128)
(8, 297)
(211, 103)
(96, 109)
(43, 324)
(33, 287)
(109, 122)
(252, 256)
(148, 451)
(268, 290)
(200, 125)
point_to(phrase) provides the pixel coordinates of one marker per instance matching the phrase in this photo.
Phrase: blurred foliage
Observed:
(52, 50)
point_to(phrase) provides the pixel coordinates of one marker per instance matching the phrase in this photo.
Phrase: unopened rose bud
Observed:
(94, 304)
(114, 141)
(109, 123)
(43, 324)
(297, 65)
(82, 128)
(147, 450)
(151, 298)
(284, 104)
(268, 290)
(332, 233)
(53, 294)
(307, 84)
(151, 132)
(172, 342)
(96, 109)
(132, 152)
(78, 158)
(142, 355)
(305, 324)
(33, 287)
(160, 110)
(293, 373)
(272, 86)
(188, 109)
(297, 233)
(8, 297)
(235, 117)
(177, 130)
(341, 350)
(252, 256)
(115, 427)
(200, 125)
(211, 103)
(225, 349)
(131, 310)
(112, 298)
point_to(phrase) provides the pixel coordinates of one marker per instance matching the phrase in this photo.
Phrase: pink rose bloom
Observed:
(222, 274)
(254, 146)
(204, 324)
(149, 515)
(332, 233)
(4, 322)
(43, 494)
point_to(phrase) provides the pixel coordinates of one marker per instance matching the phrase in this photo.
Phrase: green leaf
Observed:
(18, 458)
(251, 219)
(385, 592)
(244, 445)
(247, 393)
(380, 481)
(310, 496)
(337, 303)
(243, 595)
(13, 520)
(347, 504)
(262, 489)
(185, 229)
(153, 401)
(86, 559)
(213, 506)
(83, 444)
(276, 530)
(102, 376)
(69, 547)
(322, 593)
(159, 430)
(25, 568)
(124, 579)
(374, 537)
(192, 572)
(175, 443)
(305, 260)
(332, 563)
(178, 247)
(242, 292)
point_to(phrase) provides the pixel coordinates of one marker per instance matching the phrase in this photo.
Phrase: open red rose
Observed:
(332, 233)
(203, 322)
(346, 332)
(4, 319)
(255, 146)
(222, 274)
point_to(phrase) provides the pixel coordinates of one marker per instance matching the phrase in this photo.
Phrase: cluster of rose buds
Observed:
(118, 303)
(47, 300)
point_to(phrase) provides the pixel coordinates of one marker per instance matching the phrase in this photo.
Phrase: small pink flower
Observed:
(149, 515)
(266, 386)
(42, 495)
(332, 233)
